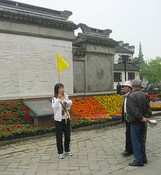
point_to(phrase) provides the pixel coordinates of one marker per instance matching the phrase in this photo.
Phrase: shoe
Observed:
(68, 153)
(125, 153)
(136, 164)
(61, 156)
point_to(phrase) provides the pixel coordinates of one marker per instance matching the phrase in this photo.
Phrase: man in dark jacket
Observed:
(127, 86)
(137, 109)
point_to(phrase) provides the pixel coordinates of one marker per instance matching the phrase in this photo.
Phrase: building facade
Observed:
(124, 69)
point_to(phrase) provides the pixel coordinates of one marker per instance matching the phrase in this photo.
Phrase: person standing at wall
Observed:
(119, 88)
(61, 104)
(137, 109)
(127, 86)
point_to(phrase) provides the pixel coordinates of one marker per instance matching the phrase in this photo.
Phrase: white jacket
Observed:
(57, 107)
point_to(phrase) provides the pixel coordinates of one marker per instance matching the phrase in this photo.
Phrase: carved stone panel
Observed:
(99, 73)
(28, 66)
(79, 76)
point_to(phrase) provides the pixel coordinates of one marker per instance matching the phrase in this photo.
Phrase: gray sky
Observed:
(132, 21)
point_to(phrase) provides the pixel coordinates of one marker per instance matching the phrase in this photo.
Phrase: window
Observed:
(131, 76)
(117, 77)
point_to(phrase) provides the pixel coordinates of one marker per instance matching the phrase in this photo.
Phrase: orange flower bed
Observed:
(153, 106)
(88, 108)
(97, 107)
(112, 103)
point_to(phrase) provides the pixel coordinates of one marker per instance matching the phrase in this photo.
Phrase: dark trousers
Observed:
(62, 128)
(138, 134)
(128, 143)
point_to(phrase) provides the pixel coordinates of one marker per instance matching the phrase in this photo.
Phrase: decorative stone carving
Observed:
(94, 36)
(66, 14)
(98, 32)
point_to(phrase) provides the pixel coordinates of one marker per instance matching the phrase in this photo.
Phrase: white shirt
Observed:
(57, 107)
(125, 102)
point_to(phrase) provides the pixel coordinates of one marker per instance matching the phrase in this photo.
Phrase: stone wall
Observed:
(93, 60)
(30, 38)
(28, 66)
(93, 73)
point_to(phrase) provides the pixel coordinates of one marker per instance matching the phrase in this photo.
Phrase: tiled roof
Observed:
(24, 13)
(120, 49)
(94, 39)
(129, 67)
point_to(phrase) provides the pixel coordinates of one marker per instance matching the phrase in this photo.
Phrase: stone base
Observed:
(42, 120)
(41, 111)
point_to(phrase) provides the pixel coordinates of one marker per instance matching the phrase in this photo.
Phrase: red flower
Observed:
(65, 103)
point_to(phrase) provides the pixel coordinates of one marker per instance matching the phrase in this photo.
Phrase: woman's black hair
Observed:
(56, 89)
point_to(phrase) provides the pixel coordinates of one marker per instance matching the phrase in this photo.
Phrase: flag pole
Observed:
(59, 77)
(58, 69)
(62, 64)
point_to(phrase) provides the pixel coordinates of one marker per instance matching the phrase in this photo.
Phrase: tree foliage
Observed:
(151, 70)
(138, 60)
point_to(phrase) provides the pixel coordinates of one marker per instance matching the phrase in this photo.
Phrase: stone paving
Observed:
(96, 152)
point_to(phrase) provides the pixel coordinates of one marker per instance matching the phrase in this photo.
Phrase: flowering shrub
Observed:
(155, 106)
(112, 103)
(152, 96)
(88, 108)
(24, 130)
(97, 108)
(15, 120)
(14, 112)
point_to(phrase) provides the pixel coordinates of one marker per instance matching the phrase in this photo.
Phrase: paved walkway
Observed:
(96, 152)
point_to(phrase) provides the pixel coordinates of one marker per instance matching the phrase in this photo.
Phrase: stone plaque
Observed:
(41, 110)
(40, 107)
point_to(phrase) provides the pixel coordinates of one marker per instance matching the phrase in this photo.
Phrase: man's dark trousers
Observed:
(128, 144)
(138, 134)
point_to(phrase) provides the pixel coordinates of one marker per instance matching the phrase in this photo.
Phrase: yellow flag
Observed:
(62, 64)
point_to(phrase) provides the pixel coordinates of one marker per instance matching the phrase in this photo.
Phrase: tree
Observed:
(151, 70)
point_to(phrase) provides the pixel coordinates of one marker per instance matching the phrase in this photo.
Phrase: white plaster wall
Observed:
(116, 57)
(28, 66)
(123, 78)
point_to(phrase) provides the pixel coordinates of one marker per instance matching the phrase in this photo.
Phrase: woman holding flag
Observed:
(61, 104)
